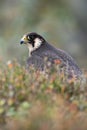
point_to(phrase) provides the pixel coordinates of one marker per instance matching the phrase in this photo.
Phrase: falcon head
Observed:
(32, 40)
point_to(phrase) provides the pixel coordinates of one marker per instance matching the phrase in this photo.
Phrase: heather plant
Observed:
(35, 100)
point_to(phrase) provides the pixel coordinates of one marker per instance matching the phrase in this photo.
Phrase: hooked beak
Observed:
(24, 40)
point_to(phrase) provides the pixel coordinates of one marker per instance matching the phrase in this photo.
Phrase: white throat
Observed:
(37, 44)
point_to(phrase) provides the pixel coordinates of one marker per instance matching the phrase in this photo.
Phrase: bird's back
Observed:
(52, 54)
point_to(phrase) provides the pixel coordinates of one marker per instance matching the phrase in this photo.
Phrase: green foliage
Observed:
(40, 98)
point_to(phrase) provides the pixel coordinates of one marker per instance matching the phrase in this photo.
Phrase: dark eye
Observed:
(32, 37)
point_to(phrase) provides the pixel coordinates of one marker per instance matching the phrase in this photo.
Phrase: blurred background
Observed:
(62, 23)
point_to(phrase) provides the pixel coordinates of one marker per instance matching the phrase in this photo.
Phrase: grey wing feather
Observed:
(66, 59)
(37, 59)
(36, 62)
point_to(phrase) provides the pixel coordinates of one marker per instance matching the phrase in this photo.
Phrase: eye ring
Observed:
(28, 37)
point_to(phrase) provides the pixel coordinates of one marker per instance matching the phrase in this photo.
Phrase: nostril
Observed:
(21, 42)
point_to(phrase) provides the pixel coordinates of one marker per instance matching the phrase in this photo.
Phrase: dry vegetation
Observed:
(31, 100)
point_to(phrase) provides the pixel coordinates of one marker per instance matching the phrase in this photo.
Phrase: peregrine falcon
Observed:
(39, 49)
